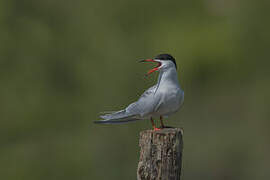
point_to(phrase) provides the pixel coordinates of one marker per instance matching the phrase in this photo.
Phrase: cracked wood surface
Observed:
(161, 154)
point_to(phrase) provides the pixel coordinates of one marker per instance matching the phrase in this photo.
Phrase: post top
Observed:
(167, 130)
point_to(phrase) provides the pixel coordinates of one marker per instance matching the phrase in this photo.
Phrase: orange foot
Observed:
(157, 129)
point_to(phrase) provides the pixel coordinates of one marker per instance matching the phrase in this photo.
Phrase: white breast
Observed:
(171, 99)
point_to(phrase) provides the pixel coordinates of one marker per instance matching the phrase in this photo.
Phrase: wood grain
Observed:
(161, 154)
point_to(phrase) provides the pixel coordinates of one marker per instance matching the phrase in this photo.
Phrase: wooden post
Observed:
(161, 154)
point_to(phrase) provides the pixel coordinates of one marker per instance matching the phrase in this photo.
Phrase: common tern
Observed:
(161, 100)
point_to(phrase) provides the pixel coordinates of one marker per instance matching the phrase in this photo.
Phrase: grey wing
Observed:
(140, 107)
(149, 91)
(135, 111)
(147, 102)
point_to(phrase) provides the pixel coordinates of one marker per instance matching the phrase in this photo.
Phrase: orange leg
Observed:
(161, 122)
(153, 125)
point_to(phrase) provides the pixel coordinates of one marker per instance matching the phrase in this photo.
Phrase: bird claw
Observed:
(157, 129)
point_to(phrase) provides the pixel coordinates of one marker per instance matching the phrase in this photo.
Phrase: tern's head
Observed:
(165, 62)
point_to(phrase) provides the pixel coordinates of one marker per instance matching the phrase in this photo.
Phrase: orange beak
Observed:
(155, 68)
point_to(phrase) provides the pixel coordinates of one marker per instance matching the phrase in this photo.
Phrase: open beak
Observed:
(155, 68)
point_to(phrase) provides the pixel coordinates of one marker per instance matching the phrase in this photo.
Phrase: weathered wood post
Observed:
(161, 154)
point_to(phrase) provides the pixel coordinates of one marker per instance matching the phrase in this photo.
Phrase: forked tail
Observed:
(118, 117)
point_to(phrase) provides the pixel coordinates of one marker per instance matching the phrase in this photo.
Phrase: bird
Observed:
(163, 99)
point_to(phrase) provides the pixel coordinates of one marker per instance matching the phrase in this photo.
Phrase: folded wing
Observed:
(135, 111)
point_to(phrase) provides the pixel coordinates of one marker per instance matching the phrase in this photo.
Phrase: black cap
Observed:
(166, 57)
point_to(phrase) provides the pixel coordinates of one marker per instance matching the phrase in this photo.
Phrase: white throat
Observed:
(167, 77)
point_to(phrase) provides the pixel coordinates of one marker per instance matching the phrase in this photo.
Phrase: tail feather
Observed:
(117, 117)
(117, 121)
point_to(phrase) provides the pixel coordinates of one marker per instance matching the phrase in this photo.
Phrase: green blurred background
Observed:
(62, 62)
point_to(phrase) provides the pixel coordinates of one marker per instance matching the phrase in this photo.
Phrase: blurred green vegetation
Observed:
(62, 62)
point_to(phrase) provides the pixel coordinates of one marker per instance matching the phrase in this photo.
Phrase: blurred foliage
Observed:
(62, 62)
